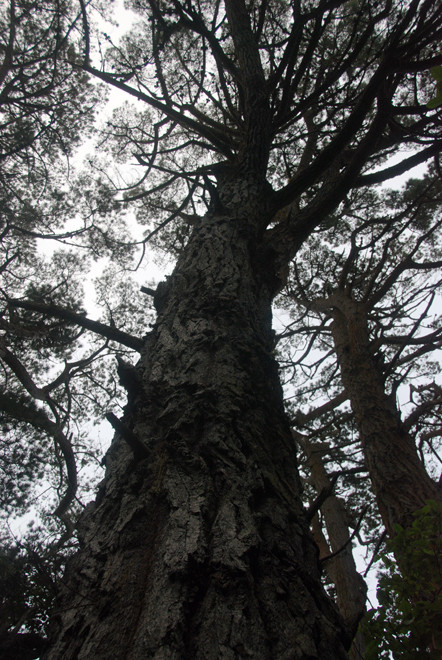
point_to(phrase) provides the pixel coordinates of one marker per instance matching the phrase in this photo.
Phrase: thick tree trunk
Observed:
(197, 546)
(400, 481)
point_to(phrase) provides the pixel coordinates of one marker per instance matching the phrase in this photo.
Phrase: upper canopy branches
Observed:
(313, 92)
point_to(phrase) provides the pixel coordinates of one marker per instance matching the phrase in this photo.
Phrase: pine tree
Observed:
(269, 114)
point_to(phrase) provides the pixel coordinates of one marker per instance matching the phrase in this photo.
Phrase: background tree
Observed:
(274, 114)
(389, 273)
(387, 269)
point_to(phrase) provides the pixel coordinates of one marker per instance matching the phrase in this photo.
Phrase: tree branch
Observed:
(186, 122)
(302, 419)
(350, 538)
(399, 168)
(79, 319)
(38, 418)
(140, 451)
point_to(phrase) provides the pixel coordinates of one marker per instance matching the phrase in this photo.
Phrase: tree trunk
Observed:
(400, 481)
(351, 590)
(197, 545)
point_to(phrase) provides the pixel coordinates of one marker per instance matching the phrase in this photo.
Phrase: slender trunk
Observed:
(197, 545)
(400, 481)
(351, 589)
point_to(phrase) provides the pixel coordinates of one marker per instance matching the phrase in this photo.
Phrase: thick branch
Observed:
(79, 319)
(406, 340)
(301, 419)
(400, 168)
(21, 373)
(323, 161)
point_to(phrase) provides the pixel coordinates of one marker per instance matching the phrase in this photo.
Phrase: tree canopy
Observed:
(283, 118)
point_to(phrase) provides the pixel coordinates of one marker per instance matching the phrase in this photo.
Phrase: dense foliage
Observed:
(410, 607)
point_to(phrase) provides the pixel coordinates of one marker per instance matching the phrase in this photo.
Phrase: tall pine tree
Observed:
(269, 114)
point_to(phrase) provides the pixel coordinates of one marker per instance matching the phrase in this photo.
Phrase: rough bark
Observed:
(400, 481)
(200, 548)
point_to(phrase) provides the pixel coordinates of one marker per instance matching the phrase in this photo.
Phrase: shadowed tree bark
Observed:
(400, 481)
(203, 545)
(197, 545)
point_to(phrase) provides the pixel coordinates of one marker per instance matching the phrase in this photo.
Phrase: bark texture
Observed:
(199, 548)
(400, 481)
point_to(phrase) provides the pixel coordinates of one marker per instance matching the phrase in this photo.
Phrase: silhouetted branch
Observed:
(80, 319)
